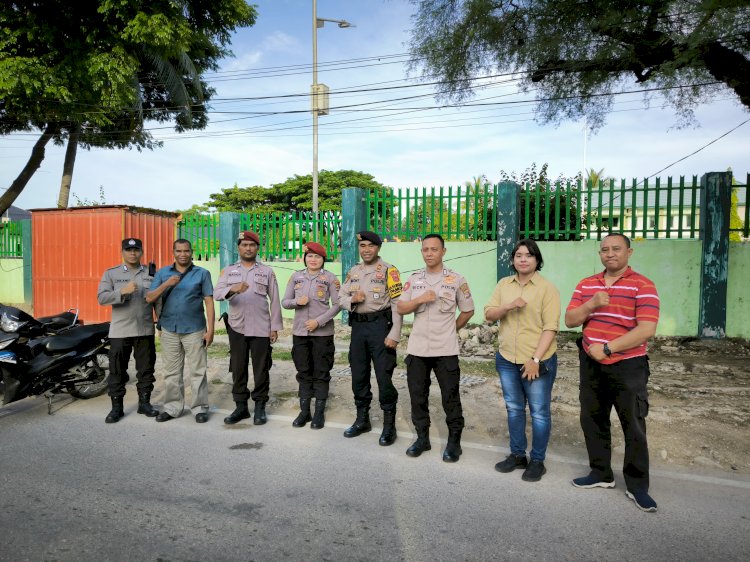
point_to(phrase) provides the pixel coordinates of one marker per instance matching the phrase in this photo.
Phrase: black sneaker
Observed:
(511, 463)
(642, 500)
(592, 481)
(534, 472)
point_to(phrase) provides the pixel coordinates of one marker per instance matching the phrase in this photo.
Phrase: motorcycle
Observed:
(51, 355)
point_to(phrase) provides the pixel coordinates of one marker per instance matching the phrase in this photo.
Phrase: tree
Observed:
(542, 198)
(594, 177)
(93, 73)
(294, 194)
(573, 55)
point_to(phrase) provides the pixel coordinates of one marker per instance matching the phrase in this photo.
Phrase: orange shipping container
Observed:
(71, 248)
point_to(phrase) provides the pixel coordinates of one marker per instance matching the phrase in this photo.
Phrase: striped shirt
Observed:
(632, 299)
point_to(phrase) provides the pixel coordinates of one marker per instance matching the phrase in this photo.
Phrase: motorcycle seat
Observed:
(75, 337)
(58, 321)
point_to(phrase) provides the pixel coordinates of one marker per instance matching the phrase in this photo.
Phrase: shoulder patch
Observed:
(393, 282)
(465, 290)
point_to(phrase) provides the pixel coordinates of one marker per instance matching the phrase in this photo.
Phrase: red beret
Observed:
(314, 248)
(248, 235)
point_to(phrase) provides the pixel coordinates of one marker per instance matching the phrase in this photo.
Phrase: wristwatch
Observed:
(535, 360)
(607, 350)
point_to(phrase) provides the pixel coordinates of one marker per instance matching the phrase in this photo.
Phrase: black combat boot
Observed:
(389, 428)
(240, 413)
(144, 405)
(422, 443)
(453, 448)
(259, 416)
(117, 413)
(319, 418)
(361, 424)
(304, 415)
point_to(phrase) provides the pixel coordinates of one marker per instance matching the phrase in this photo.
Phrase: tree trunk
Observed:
(68, 165)
(35, 160)
(730, 67)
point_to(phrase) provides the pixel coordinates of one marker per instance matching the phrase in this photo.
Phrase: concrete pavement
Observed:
(75, 488)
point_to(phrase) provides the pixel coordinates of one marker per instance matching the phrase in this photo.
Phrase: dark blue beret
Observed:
(370, 236)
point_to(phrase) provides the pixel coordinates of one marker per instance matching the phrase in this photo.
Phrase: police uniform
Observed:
(131, 329)
(433, 345)
(313, 352)
(372, 321)
(250, 325)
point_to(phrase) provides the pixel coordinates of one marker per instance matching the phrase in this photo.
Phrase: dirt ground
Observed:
(699, 390)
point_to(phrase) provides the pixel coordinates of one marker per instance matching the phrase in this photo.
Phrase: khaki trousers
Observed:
(184, 353)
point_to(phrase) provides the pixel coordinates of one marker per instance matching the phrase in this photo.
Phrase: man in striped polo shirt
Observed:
(619, 310)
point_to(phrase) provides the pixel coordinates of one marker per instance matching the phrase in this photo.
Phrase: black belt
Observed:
(370, 316)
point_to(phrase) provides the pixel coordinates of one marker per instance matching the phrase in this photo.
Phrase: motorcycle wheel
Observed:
(95, 381)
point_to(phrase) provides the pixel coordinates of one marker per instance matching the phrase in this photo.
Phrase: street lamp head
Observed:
(343, 24)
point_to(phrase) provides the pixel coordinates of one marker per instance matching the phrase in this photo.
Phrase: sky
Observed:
(260, 129)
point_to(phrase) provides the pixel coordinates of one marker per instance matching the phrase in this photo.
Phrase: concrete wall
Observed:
(11, 281)
(738, 293)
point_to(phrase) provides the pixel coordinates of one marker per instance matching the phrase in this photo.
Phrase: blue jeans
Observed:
(538, 393)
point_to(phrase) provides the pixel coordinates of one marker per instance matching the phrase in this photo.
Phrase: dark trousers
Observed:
(448, 375)
(622, 385)
(143, 349)
(368, 346)
(313, 359)
(242, 349)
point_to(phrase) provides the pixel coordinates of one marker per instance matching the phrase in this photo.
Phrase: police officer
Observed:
(433, 294)
(370, 292)
(308, 293)
(131, 330)
(250, 287)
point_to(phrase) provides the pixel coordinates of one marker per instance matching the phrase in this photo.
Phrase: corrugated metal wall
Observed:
(73, 247)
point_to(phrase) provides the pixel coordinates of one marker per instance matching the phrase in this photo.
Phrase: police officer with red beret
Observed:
(313, 294)
(254, 322)
(370, 292)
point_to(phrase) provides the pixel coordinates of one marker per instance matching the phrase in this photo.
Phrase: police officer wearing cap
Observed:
(313, 294)
(370, 293)
(253, 325)
(433, 294)
(131, 331)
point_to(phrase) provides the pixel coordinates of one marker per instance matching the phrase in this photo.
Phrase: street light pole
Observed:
(318, 94)
(315, 108)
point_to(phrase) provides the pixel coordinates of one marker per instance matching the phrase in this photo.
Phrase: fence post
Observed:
(508, 225)
(715, 205)
(353, 220)
(26, 249)
(229, 228)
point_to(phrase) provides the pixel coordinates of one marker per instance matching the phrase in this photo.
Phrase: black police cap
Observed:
(132, 243)
(370, 236)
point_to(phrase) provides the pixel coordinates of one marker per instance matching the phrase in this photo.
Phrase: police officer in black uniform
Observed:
(370, 293)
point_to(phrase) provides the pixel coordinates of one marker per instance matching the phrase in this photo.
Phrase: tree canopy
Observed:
(574, 55)
(294, 194)
(98, 70)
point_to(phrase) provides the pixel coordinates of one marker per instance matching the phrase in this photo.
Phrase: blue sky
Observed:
(263, 141)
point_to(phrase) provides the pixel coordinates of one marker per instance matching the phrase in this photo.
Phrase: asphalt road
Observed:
(74, 488)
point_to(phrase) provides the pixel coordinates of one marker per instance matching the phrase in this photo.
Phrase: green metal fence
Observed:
(283, 234)
(457, 214)
(11, 239)
(649, 208)
(203, 232)
(653, 208)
